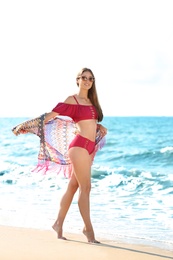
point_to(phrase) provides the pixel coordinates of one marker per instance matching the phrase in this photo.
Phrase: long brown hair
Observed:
(92, 94)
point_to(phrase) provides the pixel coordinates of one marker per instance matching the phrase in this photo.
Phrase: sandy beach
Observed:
(27, 244)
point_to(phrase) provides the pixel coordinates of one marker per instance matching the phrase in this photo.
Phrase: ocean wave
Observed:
(135, 180)
(168, 149)
(159, 158)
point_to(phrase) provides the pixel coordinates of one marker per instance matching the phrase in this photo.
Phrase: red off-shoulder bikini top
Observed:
(77, 111)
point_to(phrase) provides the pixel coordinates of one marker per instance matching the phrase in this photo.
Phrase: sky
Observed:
(128, 44)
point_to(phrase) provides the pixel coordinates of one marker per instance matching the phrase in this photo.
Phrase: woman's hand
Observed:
(102, 129)
(16, 131)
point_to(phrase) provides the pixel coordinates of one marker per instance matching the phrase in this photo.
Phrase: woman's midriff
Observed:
(87, 129)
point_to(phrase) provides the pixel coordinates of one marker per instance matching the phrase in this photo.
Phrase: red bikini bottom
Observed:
(80, 141)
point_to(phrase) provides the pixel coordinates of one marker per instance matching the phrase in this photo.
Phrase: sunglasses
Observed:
(84, 78)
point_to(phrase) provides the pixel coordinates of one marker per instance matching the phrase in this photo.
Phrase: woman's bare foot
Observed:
(90, 236)
(58, 230)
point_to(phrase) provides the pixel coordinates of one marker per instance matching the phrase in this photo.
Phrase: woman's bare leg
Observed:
(64, 206)
(81, 161)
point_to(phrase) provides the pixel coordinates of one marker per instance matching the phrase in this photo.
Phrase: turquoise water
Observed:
(132, 183)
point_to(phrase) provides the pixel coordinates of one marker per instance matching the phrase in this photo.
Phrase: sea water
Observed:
(132, 183)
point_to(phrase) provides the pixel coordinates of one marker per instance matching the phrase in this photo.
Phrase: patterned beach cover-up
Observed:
(55, 137)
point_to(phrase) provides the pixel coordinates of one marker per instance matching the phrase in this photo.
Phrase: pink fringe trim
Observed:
(50, 167)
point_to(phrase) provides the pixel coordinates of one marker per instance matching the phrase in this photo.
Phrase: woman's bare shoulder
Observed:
(70, 100)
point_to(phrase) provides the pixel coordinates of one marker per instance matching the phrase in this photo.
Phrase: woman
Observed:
(85, 111)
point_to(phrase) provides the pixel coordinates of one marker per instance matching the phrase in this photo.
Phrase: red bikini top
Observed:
(77, 111)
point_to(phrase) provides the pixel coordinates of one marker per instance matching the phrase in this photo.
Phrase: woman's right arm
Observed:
(49, 116)
(30, 125)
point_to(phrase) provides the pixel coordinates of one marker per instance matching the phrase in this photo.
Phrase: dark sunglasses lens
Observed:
(91, 79)
(85, 78)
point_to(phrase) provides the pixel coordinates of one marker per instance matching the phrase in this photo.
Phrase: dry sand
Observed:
(32, 244)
